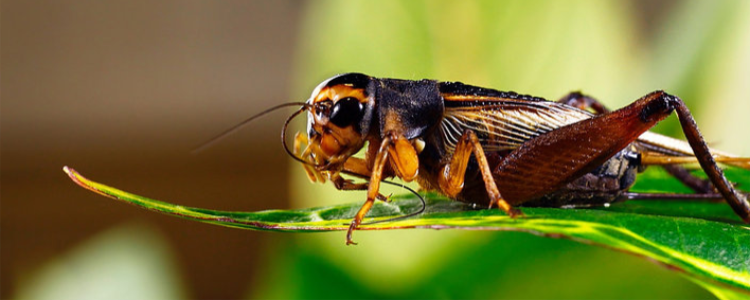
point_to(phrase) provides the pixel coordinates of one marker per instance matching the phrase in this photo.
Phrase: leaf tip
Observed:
(75, 176)
(88, 184)
(72, 173)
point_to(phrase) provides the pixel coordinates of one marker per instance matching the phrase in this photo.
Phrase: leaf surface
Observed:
(703, 239)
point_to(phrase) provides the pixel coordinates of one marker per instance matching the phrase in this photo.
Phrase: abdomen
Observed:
(604, 184)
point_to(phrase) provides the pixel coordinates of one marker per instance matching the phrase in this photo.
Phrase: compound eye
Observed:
(346, 112)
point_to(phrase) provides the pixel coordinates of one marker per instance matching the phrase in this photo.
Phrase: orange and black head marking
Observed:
(339, 114)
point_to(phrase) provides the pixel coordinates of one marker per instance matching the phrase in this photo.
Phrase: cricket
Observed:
(497, 149)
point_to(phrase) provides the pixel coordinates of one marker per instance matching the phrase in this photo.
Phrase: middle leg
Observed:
(451, 178)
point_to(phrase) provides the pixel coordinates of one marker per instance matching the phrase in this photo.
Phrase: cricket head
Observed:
(339, 117)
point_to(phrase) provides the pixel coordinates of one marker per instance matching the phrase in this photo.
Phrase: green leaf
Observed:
(703, 239)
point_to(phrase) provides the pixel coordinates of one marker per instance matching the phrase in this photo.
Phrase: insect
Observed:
(494, 148)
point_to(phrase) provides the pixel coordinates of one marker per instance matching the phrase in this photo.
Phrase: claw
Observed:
(384, 198)
(349, 240)
(512, 212)
(515, 213)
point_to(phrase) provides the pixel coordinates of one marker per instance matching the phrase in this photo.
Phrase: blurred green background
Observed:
(122, 90)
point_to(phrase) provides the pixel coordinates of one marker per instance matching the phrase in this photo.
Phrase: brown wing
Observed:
(503, 124)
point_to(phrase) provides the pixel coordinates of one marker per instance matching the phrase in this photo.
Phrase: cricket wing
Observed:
(504, 125)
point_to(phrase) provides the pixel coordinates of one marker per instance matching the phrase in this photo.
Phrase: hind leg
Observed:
(585, 102)
(548, 162)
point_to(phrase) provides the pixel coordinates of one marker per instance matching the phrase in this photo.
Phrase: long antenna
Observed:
(283, 137)
(234, 128)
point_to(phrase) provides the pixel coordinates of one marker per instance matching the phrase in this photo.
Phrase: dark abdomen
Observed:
(604, 184)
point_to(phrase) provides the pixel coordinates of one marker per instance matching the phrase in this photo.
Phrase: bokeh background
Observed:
(122, 90)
